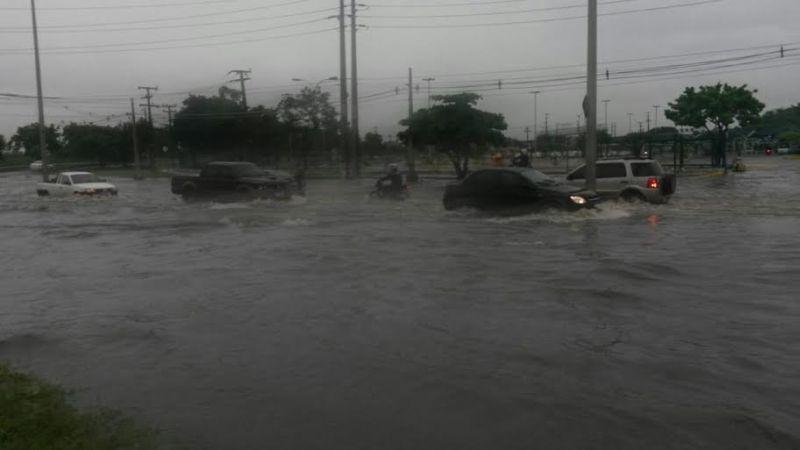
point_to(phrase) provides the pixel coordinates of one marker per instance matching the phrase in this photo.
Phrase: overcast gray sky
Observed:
(96, 57)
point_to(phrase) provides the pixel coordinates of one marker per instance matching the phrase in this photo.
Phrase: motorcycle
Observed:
(387, 192)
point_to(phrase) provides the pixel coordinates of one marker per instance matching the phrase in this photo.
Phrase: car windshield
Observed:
(538, 177)
(248, 170)
(81, 178)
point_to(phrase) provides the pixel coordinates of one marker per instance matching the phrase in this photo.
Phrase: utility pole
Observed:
(148, 96)
(136, 160)
(630, 123)
(428, 80)
(546, 123)
(656, 107)
(648, 120)
(355, 136)
(528, 137)
(591, 100)
(40, 98)
(605, 120)
(641, 127)
(535, 116)
(243, 76)
(345, 126)
(412, 164)
(170, 131)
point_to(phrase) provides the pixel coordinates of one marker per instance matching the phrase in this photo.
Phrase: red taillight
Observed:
(652, 183)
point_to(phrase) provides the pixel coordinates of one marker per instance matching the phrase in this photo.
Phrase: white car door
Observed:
(63, 186)
(612, 178)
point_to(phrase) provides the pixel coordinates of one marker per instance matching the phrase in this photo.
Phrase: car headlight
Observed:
(578, 200)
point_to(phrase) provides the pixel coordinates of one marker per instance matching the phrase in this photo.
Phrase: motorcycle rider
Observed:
(395, 179)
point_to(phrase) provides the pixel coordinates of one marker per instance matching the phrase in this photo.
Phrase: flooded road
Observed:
(338, 322)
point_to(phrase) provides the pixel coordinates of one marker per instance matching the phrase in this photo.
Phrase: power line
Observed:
(72, 29)
(554, 19)
(494, 13)
(170, 19)
(164, 41)
(174, 47)
(130, 6)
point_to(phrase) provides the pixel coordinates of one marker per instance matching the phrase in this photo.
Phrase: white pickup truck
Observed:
(76, 183)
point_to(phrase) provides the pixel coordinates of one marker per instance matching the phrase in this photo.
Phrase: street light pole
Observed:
(429, 79)
(40, 98)
(591, 99)
(656, 107)
(535, 116)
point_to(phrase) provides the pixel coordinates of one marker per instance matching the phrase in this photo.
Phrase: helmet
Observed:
(392, 168)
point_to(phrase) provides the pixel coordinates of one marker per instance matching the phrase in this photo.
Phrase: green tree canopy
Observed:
(456, 128)
(780, 121)
(309, 118)
(27, 138)
(103, 144)
(716, 108)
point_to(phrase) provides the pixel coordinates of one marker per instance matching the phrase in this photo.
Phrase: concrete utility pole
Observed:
(345, 126)
(591, 99)
(170, 131)
(656, 107)
(630, 123)
(428, 80)
(528, 137)
(535, 116)
(412, 164)
(648, 120)
(546, 123)
(148, 96)
(356, 134)
(136, 160)
(605, 120)
(243, 76)
(40, 98)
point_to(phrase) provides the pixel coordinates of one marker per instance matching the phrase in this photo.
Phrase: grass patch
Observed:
(36, 415)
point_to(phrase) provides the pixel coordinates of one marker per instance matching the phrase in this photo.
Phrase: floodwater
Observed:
(340, 322)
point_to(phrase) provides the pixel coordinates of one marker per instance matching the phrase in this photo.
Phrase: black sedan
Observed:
(515, 189)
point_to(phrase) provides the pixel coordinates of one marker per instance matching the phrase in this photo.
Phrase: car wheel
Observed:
(632, 196)
(42, 193)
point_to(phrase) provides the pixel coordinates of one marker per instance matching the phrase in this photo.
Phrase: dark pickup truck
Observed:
(239, 179)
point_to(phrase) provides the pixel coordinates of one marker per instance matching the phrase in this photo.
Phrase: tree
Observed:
(790, 137)
(716, 108)
(373, 144)
(309, 117)
(456, 128)
(27, 139)
(209, 125)
(103, 144)
(2, 146)
(779, 121)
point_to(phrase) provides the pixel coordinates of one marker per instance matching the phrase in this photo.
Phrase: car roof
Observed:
(622, 160)
(230, 163)
(75, 173)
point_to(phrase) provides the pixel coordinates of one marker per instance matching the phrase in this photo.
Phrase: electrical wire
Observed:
(129, 6)
(548, 20)
(83, 29)
(494, 13)
(167, 19)
(164, 41)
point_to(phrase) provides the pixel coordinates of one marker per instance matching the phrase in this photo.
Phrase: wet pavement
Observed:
(341, 322)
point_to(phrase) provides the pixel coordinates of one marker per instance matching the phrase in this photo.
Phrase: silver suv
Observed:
(629, 179)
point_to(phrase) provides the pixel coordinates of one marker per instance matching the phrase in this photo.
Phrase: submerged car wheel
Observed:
(631, 196)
